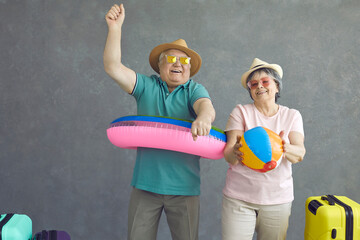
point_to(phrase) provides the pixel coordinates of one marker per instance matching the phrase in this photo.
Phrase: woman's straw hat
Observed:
(257, 64)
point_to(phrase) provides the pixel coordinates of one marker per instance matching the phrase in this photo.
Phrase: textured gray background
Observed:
(56, 101)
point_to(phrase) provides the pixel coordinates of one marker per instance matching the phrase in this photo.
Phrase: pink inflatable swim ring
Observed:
(165, 133)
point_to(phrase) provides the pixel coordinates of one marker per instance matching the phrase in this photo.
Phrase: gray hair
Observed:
(273, 74)
(161, 55)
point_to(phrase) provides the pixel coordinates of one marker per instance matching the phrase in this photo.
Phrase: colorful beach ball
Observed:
(262, 149)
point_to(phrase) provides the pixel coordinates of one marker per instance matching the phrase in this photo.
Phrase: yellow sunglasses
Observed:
(172, 59)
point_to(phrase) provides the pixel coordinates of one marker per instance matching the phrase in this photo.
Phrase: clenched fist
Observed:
(115, 16)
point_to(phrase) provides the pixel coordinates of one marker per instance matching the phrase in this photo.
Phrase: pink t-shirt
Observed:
(273, 187)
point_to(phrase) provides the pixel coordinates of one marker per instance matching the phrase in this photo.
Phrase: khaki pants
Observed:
(145, 209)
(241, 219)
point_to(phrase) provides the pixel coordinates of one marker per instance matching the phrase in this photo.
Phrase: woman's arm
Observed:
(295, 150)
(231, 151)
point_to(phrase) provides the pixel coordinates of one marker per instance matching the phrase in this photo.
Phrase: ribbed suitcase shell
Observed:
(52, 235)
(331, 217)
(15, 227)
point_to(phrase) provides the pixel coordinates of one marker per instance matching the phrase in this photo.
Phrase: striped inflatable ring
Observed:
(165, 133)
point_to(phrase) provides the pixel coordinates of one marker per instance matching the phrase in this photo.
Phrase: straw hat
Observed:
(181, 45)
(257, 64)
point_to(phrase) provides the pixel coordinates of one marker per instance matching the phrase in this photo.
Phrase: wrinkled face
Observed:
(174, 74)
(263, 87)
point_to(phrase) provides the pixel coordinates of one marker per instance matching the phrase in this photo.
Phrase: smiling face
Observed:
(264, 88)
(174, 74)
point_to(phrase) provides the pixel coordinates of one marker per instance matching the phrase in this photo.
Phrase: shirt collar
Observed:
(185, 85)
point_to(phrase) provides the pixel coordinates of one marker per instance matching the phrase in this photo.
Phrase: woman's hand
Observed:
(238, 155)
(295, 150)
(232, 153)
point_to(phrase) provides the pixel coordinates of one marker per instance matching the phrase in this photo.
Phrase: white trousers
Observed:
(241, 219)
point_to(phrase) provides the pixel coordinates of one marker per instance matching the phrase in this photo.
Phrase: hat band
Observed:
(258, 66)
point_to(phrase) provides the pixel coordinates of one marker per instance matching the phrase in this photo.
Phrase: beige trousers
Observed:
(145, 209)
(241, 219)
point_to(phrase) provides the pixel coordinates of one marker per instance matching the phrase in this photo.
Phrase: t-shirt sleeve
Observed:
(297, 125)
(139, 85)
(198, 92)
(236, 120)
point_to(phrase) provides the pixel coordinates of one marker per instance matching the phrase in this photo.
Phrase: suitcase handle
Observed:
(331, 201)
(44, 235)
(4, 221)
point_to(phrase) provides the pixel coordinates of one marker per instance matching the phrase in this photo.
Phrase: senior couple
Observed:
(170, 181)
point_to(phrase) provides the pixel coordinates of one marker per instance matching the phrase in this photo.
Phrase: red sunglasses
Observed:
(253, 84)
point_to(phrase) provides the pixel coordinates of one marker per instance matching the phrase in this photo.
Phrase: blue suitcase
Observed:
(15, 227)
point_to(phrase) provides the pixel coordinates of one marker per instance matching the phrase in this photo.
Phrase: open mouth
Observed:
(260, 92)
(176, 71)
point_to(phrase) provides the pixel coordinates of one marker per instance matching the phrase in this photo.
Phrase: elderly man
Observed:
(163, 180)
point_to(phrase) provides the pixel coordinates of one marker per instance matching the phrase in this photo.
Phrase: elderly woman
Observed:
(255, 201)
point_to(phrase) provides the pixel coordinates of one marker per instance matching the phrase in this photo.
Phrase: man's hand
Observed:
(115, 16)
(200, 127)
(205, 116)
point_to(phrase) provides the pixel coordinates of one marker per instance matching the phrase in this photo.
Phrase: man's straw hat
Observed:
(181, 45)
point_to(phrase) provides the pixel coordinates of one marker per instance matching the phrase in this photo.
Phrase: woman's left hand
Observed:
(295, 150)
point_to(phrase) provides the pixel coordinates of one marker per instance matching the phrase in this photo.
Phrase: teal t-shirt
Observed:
(162, 171)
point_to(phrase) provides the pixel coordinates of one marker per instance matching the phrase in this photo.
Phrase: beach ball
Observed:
(262, 149)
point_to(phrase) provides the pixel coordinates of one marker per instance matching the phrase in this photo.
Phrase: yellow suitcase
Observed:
(332, 217)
